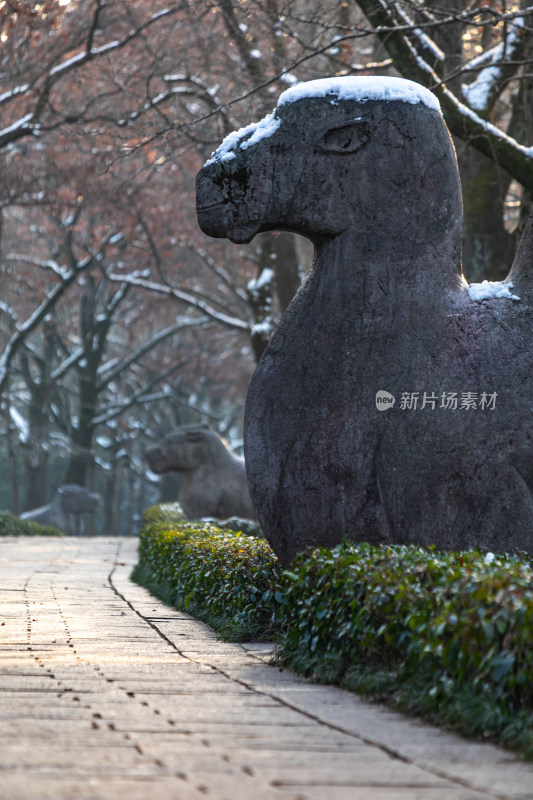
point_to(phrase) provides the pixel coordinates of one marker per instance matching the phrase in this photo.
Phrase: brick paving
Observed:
(106, 692)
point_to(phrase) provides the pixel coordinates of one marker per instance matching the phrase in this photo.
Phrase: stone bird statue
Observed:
(394, 403)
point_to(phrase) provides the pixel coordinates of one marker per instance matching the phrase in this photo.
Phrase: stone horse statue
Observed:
(394, 403)
(64, 512)
(214, 480)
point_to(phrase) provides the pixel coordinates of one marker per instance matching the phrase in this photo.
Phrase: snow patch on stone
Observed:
(244, 138)
(361, 89)
(491, 289)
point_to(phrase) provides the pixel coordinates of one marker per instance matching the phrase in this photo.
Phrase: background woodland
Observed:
(119, 320)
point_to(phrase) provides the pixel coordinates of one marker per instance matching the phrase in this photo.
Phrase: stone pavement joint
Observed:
(390, 751)
(248, 686)
(105, 691)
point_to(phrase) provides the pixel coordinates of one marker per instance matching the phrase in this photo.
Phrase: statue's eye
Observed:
(347, 138)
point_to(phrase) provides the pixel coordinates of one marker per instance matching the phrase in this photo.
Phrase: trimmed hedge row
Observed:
(10, 525)
(447, 624)
(448, 635)
(228, 579)
(466, 617)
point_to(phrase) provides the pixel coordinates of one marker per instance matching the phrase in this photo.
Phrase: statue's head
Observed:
(76, 500)
(359, 153)
(184, 449)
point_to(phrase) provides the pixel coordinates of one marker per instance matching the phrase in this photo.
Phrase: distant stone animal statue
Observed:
(214, 480)
(64, 512)
(394, 403)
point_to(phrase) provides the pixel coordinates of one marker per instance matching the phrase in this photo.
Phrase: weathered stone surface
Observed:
(384, 309)
(214, 480)
(64, 512)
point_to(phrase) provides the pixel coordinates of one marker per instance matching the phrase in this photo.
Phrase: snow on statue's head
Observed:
(364, 154)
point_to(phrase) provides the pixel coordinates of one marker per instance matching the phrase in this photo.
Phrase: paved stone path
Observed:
(105, 693)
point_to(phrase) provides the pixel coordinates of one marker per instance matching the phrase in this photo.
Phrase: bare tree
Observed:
(114, 307)
(477, 59)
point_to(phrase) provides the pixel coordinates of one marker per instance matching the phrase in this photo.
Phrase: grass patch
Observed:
(10, 525)
(446, 636)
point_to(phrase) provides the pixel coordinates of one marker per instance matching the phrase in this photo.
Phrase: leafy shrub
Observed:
(240, 525)
(446, 635)
(170, 513)
(229, 579)
(10, 525)
(462, 616)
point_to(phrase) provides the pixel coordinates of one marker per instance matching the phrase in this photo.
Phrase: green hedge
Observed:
(446, 635)
(465, 617)
(10, 525)
(227, 578)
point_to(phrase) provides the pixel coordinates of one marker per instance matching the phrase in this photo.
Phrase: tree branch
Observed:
(463, 122)
(147, 346)
(33, 321)
(29, 124)
(184, 297)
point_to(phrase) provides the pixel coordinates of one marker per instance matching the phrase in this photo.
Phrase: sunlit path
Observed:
(106, 692)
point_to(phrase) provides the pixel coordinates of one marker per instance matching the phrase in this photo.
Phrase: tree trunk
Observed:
(82, 456)
(12, 458)
(488, 248)
(270, 296)
(36, 452)
(109, 496)
(285, 265)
